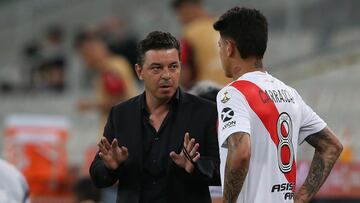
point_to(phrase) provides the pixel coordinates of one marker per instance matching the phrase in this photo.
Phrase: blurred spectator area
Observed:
(297, 29)
(83, 130)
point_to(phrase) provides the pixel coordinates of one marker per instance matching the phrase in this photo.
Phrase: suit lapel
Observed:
(135, 127)
(180, 124)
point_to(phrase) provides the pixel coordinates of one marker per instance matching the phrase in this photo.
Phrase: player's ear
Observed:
(230, 48)
(139, 71)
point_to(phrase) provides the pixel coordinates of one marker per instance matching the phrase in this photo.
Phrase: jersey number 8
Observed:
(285, 147)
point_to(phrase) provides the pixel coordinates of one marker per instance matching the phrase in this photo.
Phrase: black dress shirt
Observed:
(156, 154)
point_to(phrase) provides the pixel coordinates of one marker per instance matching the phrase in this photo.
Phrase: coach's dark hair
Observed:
(156, 40)
(248, 28)
(175, 4)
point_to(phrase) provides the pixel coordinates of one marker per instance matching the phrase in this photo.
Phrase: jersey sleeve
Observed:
(233, 114)
(310, 122)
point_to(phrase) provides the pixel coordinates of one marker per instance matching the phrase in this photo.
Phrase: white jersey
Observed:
(13, 186)
(277, 120)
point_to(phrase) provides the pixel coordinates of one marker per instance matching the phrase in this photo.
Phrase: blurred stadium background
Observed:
(314, 45)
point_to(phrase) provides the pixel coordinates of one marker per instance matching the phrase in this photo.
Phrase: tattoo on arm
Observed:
(234, 183)
(321, 139)
(326, 154)
(234, 176)
(315, 176)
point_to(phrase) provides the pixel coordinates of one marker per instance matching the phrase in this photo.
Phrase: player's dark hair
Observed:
(156, 40)
(247, 27)
(175, 4)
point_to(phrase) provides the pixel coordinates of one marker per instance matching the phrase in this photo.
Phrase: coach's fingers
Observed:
(190, 145)
(106, 143)
(175, 157)
(186, 139)
(102, 148)
(114, 144)
(194, 150)
(197, 157)
(103, 156)
(124, 151)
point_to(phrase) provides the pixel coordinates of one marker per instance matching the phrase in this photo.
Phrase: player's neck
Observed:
(246, 66)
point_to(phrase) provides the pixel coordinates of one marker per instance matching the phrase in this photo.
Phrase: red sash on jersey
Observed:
(268, 114)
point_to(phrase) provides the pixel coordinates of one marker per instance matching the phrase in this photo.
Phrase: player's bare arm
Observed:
(237, 165)
(327, 150)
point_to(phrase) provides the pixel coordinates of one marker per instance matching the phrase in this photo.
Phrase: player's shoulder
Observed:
(280, 83)
(233, 88)
(292, 90)
(229, 94)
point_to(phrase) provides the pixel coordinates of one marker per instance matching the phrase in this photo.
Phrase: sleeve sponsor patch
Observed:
(227, 114)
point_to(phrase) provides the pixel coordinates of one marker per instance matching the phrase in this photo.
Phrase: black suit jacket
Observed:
(194, 115)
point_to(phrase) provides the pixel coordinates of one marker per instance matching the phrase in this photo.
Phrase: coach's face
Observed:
(160, 72)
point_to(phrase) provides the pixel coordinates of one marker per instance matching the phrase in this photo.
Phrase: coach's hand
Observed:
(188, 155)
(112, 155)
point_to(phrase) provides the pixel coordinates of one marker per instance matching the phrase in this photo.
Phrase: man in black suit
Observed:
(160, 146)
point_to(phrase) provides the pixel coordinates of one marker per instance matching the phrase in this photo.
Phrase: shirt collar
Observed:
(173, 101)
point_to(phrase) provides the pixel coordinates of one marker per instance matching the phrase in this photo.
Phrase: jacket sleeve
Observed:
(207, 168)
(99, 173)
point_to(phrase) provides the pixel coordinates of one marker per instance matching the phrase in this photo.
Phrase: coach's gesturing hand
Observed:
(112, 155)
(188, 154)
